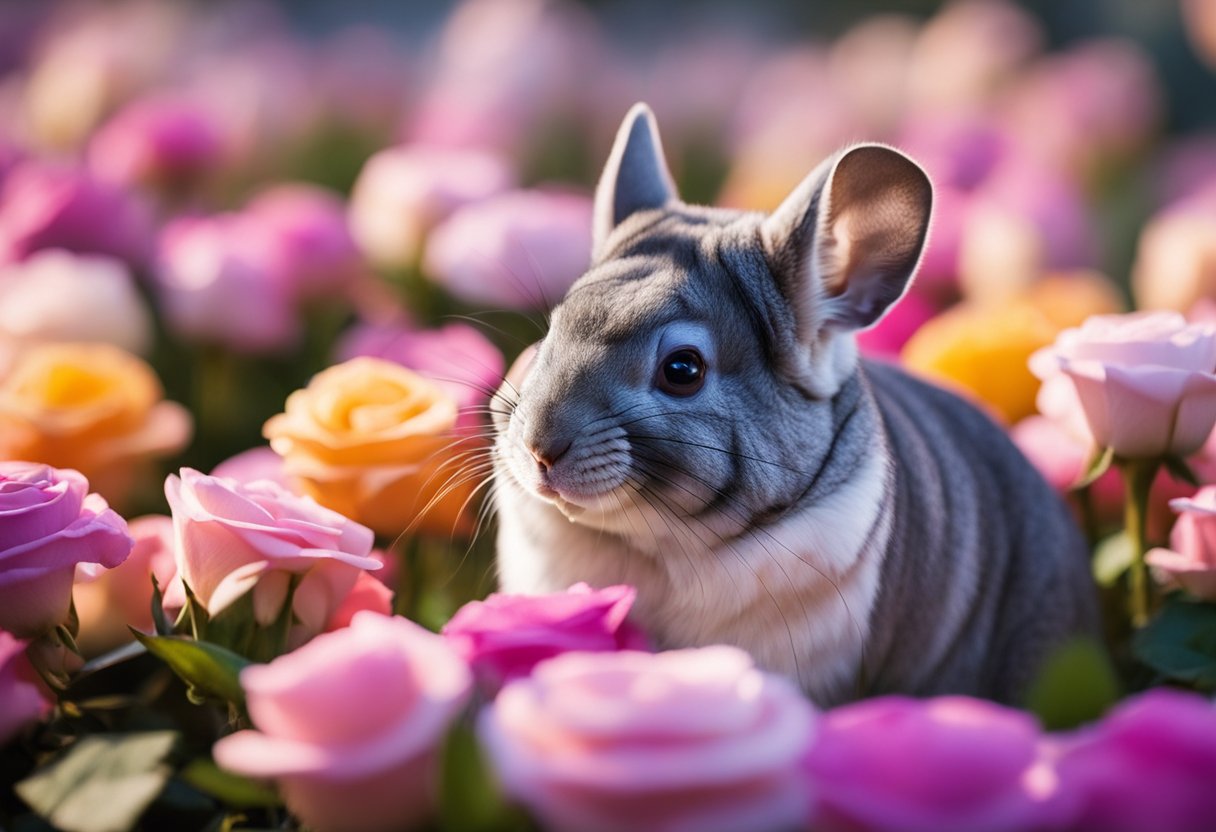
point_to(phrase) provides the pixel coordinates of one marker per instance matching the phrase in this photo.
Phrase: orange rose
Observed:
(983, 350)
(376, 442)
(92, 407)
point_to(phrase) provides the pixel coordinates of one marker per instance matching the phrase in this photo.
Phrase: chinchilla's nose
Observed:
(547, 454)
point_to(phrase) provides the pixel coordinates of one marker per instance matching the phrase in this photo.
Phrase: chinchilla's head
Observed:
(693, 372)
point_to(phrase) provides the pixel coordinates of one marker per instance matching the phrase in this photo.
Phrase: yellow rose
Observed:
(92, 407)
(982, 350)
(376, 442)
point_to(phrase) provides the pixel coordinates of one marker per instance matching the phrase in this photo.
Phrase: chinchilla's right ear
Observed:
(635, 178)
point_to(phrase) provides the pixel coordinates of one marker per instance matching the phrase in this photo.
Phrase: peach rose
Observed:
(349, 724)
(374, 441)
(91, 407)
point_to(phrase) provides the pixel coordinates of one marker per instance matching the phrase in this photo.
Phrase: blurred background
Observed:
(242, 194)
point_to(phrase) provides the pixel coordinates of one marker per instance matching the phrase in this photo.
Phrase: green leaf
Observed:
(1180, 643)
(210, 670)
(1075, 685)
(161, 624)
(103, 783)
(469, 798)
(1098, 464)
(1113, 556)
(231, 789)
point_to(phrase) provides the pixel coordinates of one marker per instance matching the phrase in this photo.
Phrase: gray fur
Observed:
(849, 525)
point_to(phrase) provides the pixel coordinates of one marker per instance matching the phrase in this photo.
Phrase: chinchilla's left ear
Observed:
(845, 244)
(635, 178)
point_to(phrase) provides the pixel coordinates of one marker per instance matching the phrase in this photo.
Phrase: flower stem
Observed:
(1138, 475)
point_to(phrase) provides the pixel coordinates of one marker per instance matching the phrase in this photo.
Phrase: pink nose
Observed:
(546, 458)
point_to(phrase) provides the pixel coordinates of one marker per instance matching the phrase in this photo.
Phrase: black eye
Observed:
(682, 372)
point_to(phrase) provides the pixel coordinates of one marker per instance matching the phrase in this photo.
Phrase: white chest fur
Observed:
(797, 595)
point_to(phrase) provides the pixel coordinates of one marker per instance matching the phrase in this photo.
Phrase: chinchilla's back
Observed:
(985, 568)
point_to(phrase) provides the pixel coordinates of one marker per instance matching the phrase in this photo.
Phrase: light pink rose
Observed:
(45, 205)
(25, 697)
(234, 537)
(216, 281)
(55, 295)
(306, 234)
(108, 600)
(402, 192)
(519, 250)
(505, 636)
(1149, 764)
(950, 763)
(1191, 559)
(683, 740)
(1143, 383)
(456, 356)
(255, 464)
(162, 140)
(48, 524)
(348, 724)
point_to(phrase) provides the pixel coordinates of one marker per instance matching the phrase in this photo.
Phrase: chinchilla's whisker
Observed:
(472, 318)
(638, 489)
(726, 451)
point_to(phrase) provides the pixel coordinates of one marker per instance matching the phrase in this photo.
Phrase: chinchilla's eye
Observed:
(682, 372)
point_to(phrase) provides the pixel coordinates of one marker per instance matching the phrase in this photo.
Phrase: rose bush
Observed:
(348, 725)
(49, 523)
(682, 740)
(374, 441)
(232, 538)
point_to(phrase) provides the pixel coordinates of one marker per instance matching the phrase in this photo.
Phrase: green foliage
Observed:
(231, 789)
(1180, 643)
(1076, 685)
(211, 671)
(469, 799)
(1099, 463)
(1112, 558)
(103, 783)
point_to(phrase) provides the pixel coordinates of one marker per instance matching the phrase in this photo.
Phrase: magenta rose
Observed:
(24, 696)
(520, 249)
(684, 740)
(49, 523)
(505, 636)
(161, 140)
(1149, 764)
(1190, 561)
(232, 538)
(462, 360)
(1143, 384)
(348, 725)
(44, 205)
(950, 763)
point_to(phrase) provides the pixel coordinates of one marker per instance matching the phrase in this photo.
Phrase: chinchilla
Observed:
(697, 423)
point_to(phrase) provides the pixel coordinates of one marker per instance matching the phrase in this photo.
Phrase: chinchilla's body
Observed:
(697, 424)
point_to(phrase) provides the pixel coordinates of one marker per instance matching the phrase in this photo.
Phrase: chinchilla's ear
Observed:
(845, 244)
(635, 177)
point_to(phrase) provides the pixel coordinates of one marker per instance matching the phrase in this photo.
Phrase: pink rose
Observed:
(23, 694)
(307, 235)
(48, 524)
(217, 281)
(107, 600)
(161, 140)
(683, 740)
(1142, 383)
(456, 356)
(520, 249)
(1191, 560)
(886, 338)
(1150, 764)
(54, 206)
(950, 763)
(349, 724)
(402, 192)
(260, 463)
(55, 295)
(368, 594)
(235, 537)
(505, 636)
